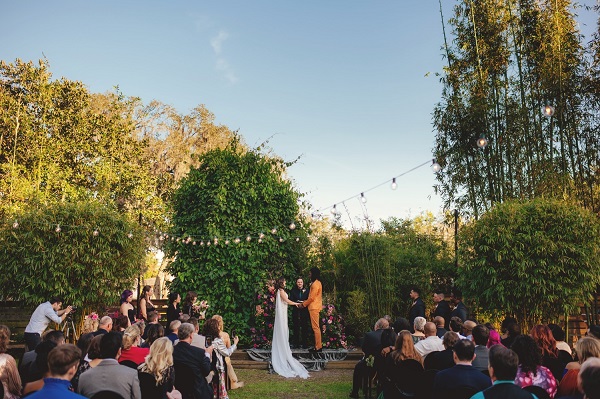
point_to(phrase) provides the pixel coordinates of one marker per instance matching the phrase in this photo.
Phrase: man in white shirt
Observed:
(431, 343)
(41, 317)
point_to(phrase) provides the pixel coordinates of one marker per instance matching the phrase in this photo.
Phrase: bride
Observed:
(282, 360)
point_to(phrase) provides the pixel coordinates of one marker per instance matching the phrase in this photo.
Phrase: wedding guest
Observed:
(400, 366)
(196, 359)
(9, 377)
(531, 371)
(154, 331)
(157, 374)
(127, 308)
(371, 346)
(481, 336)
(233, 380)
(510, 329)
(417, 309)
(104, 326)
(90, 324)
(173, 311)
(419, 329)
(121, 323)
(62, 364)
(559, 336)
(585, 348)
(439, 325)
(555, 360)
(28, 369)
(41, 364)
(211, 328)
(145, 304)
(189, 304)
(131, 350)
(90, 360)
(456, 325)
(153, 318)
(441, 360)
(173, 328)
(494, 338)
(431, 343)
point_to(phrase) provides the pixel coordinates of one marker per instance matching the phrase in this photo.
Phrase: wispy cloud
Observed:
(222, 65)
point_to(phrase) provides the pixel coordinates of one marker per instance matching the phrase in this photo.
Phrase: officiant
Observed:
(300, 316)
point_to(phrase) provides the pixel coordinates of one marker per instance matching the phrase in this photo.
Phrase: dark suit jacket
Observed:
(416, 310)
(196, 360)
(371, 344)
(460, 310)
(439, 360)
(297, 296)
(100, 331)
(457, 377)
(172, 314)
(443, 309)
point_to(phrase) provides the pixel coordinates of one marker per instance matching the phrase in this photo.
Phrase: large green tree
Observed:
(535, 260)
(236, 223)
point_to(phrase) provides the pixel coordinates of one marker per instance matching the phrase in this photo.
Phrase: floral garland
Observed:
(333, 327)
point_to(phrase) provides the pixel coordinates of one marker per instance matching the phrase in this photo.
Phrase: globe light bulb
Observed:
(237, 240)
(297, 239)
(130, 235)
(280, 239)
(394, 184)
(16, 225)
(261, 236)
(248, 238)
(482, 142)
(194, 243)
(548, 111)
(226, 242)
(333, 210)
(260, 240)
(363, 199)
(435, 166)
(58, 229)
(274, 231)
(208, 243)
(292, 226)
(201, 243)
(95, 233)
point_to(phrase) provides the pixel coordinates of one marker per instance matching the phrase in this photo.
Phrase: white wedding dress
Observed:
(282, 360)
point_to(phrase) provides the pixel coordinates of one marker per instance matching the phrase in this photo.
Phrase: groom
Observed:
(315, 304)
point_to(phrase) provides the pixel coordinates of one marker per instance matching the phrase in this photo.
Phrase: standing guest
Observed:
(418, 329)
(559, 336)
(127, 308)
(189, 304)
(503, 368)
(211, 328)
(104, 326)
(9, 377)
(531, 371)
(371, 347)
(300, 316)
(195, 359)
(417, 308)
(585, 348)
(439, 324)
(62, 364)
(441, 360)
(145, 304)
(131, 349)
(109, 374)
(463, 375)
(593, 331)
(460, 310)
(555, 360)
(442, 309)
(431, 343)
(233, 380)
(173, 328)
(173, 311)
(41, 317)
(314, 303)
(481, 335)
(90, 360)
(157, 374)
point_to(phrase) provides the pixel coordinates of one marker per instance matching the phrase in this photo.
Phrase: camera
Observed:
(208, 341)
(73, 309)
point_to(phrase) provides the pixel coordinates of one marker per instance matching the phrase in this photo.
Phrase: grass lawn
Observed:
(324, 384)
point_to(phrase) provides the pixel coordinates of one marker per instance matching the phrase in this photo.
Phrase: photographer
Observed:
(41, 317)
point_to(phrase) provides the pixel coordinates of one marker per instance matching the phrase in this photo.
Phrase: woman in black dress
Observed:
(145, 305)
(188, 304)
(157, 374)
(127, 308)
(173, 311)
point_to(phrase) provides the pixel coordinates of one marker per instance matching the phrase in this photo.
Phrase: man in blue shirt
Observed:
(63, 362)
(503, 364)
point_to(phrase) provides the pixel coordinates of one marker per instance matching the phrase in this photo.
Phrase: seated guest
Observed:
(196, 360)
(494, 338)
(9, 377)
(90, 324)
(431, 343)
(585, 348)
(401, 324)
(156, 374)
(481, 335)
(589, 378)
(555, 360)
(468, 328)
(439, 324)
(122, 380)
(120, 324)
(400, 365)
(153, 317)
(90, 360)
(442, 360)
(27, 366)
(419, 329)
(559, 336)
(63, 361)
(463, 375)
(104, 326)
(154, 331)
(198, 340)
(531, 371)
(510, 330)
(456, 325)
(131, 349)
(371, 346)
(503, 368)
(41, 367)
(173, 328)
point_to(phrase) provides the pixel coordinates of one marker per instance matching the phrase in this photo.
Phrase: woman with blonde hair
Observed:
(131, 351)
(90, 324)
(9, 376)
(233, 380)
(157, 374)
(585, 348)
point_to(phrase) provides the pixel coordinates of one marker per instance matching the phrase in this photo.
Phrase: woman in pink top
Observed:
(531, 371)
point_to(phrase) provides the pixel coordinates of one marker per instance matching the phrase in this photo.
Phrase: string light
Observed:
(548, 111)
(237, 240)
(249, 238)
(130, 235)
(274, 231)
(394, 184)
(435, 166)
(292, 226)
(482, 142)
(57, 229)
(334, 210)
(16, 225)
(95, 233)
(363, 199)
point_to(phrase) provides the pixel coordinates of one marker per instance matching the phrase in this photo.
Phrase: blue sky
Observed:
(347, 85)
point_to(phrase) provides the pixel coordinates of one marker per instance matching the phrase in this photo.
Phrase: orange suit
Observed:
(315, 304)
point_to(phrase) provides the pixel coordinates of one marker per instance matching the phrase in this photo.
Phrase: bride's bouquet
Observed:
(200, 308)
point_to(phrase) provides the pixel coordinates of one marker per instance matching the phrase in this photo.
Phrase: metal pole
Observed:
(456, 238)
